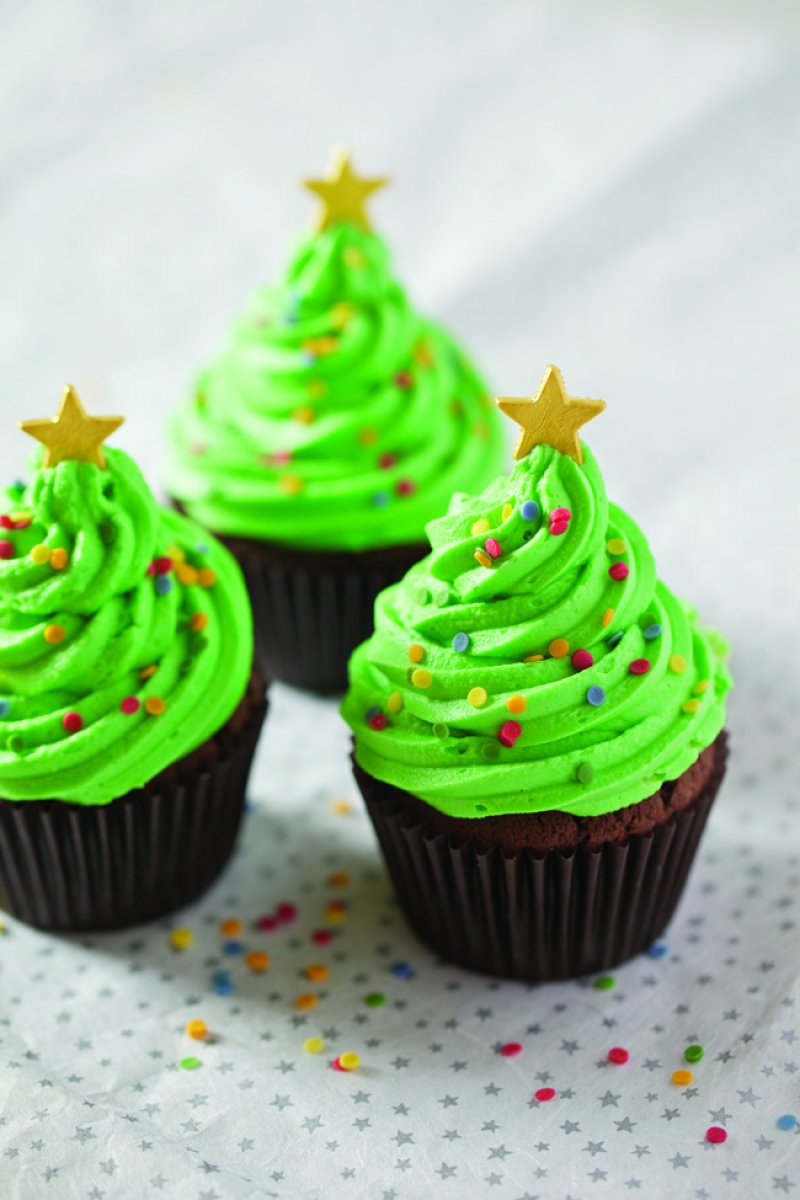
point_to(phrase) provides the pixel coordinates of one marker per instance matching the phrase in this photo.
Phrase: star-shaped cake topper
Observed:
(72, 433)
(344, 193)
(551, 417)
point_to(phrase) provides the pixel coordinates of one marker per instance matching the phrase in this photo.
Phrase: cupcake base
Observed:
(544, 896)
(311, 608)
(79, 868)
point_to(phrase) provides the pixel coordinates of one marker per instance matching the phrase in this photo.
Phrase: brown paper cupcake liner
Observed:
(538, 916)
(81, 868)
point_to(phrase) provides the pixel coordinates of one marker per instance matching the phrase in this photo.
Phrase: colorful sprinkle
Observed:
(59, 558)
(375, 1000)
(206, 577)
(700, 687)
(386, 461)
(286, 911)
(690, 706)
(534, 658)
(421, 678)
(607, 618)
(657, 950)
(304, 415)
(507, 511)
(516, 704)
(161, 565)
(317, 972)
(72, 722)
(477, 697)
(6, 549)
(615, 639)
(292, 485)
(440, 730)
(155, 706)
(381, 499)
(559, 648)
(544, 1094)
(53, 634)
(394, 702)
(349, 1061)
(596, 696)
(560, 514)
(402, 970)
(493, 547)
(529, 510)
(619, 571)
(716, 1134)
(682, 1078)
(377, 721)
(616, 546)
(231, 927)
(368, 436)
(233, 947)
(181, 939)
(509, 732)
(482, 558)
(405, 487)
(461, 642)
(307, 1000)
(582, 659)
(584, 773)
(40, 554)
(618, 1055)
(197, 1029)
(510, 1049)
(148, 672)
(677, 663)
(416, 653)
(163, 585)
(5, 708)
(480, 526)
(604, 983)
(130, 705)
(652, 632)
(321, 937)
(693, 1053)
(639, 666)
(339, 879)
(314, 1045)
(190, 1063)
(198, 621)
(186, 574)
(787, 1121)
(559, 527)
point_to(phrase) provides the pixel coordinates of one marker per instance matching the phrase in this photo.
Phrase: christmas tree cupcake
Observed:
(129, 710)
(538, 720)
(333, 427)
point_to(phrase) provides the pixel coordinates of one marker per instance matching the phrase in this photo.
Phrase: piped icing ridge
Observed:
(533, 661)
(337, 417)
(125, 634)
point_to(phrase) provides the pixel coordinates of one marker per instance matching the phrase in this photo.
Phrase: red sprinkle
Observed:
(72, 722)
(403, 379)
(387, 460)
(639, 666)
(558, 527)
(23, 523)
(281, 458)
(509, 732)
(337, 1066)
(6, 549)
(618, 1054)
(6, 522)
(321, 937)
(130, 705)
(510, 1049)
(493, 547)
(286, 911)
(378, 721)
(267, 923)
(544, 1094)
(582, 659)
(560, 514)
(619, 571)
(162, 565)
(405, 487)
(716, 1134)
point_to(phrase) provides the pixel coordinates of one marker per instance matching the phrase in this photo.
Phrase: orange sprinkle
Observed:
(54, 634)
(320, 346)
(206, 577)
(198, 621)
(516, 704)
(257, 960)
(317, 972)
(307, 1000)
(423, 354)
(339, 879)
(682, 1078)
(368, 436)
(335, 915)
(559, 648)
(196, 1029)
(421, 678)
(155, 706)
(416, 653)
(147, 672)
(231, 927)
(186, 574)
(607, 618)
(291, 484)
(534, 658)
(482, 558)
(305, 415)
(59, 558)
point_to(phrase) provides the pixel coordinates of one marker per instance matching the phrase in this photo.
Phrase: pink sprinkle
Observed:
(510, 1049)
(72, 722)
(321, 937)
(286, 911)
(509, 732)
(130, 705)
(162, 565)
(716, 1134)
(493, 547)
(405, 487)
(559, 527)
(618, 1054)
(378, 721)
(281, 458)
(23, 524)
(6, 522)
(387, 460)
(544, 1094)
(337, 1066)
(582, 659)
(560, 514)
(639, 666)
(403, 379)
(267, 923)
(619, 571)
(6, 549)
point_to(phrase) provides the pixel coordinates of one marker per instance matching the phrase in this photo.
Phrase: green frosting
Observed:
(453, 625)
(337, 417)
(147, 607)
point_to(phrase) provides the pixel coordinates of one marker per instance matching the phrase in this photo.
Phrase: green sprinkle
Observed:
(375, 999)
(490, 751)
(15, 744)
(441, 730)
(693, 1053)
(190, 1064)
(585, 773)
(604, 983)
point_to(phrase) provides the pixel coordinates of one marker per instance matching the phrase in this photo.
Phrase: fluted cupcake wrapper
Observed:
(311, 609)
(80, 868)
(537, 917)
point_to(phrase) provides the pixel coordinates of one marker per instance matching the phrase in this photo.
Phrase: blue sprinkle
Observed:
(223, 987)
(221, 976)
(372, 712)
(461, 642)
(615, 639)
(163, 584)
(202, 548)
(596, 696)
(381, 499)
(5, 708)
(653, 631)
(233, 947)
(529, 510)
(787, 1121)
(657, 950)
(309, 359)
(402, 970)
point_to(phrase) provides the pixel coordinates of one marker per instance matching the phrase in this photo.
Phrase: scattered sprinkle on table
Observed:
(181, 939)
(716, 1134)
(314, 1045)
(693, 1053)
(510, 1049)
(197, 1029)
(190, 1063)
(618, 1055)
(604, 983)
(544, 1094)
(682, 1078)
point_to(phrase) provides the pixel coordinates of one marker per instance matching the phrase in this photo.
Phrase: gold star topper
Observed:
(551, 417)
(72, 433)
(344, 193)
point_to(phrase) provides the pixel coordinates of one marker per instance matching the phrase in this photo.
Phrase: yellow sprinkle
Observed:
(59, 558)
(690, 706)
(314, 1045)
(368, 436)
(292, 485)
(198, 621)
(317, 972)
(516, 704)
(335, 916)
(416, 653)
(507, 511)
(196, 1029)
(477, 696)
(700, 687)
(349, 1061)
(394, 702)
(682, 1078)
(423, 354)
(186, 574)
(155, 706)
(341, 807)
(607, 618)
(421, 678)
(559, 648)
(321, 345)
(534, 658)
(40, 554)
(480, 526)
(341, 314)
(616, 546)
(175, 553)
(353, 257)
(147, 672)
(307, 1000)
(54, 634)
(181, 939)
(677, 663)
(482, 558)
(206, 577)
(20, 516)
(305, 415)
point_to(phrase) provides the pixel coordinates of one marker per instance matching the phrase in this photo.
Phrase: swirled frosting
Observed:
(337, 417)
(125, 634)
(533, 661)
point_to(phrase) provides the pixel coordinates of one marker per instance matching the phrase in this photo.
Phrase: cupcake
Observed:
(129, 708)
(538, 720)
(320, 442)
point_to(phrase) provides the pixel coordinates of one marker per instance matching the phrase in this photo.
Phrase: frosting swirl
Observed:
(125, 635)
(533, 661)
(337, 417)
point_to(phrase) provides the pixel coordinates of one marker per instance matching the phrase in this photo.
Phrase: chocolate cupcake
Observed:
(129, 707)
(538, 721)
(319, 443)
